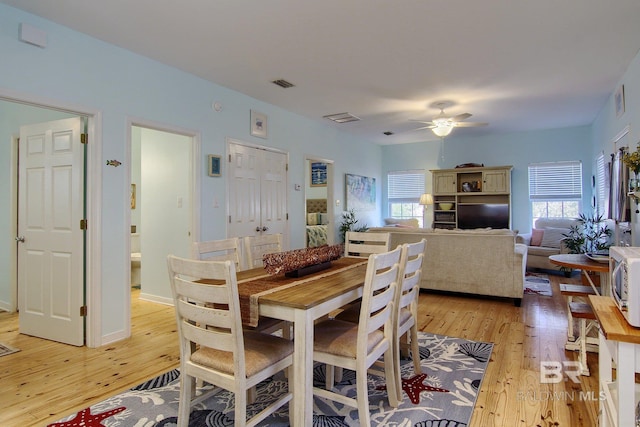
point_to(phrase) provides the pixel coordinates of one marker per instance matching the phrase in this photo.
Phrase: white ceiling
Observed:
(518, 64)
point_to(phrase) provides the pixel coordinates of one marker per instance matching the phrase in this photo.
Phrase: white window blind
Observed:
(555, 181)
(405, 186)
(602, 186)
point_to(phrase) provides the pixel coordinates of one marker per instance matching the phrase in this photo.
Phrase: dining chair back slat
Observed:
(219, 250)
(362, 244)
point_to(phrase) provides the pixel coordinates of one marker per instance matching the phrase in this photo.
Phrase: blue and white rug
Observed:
(443, 395)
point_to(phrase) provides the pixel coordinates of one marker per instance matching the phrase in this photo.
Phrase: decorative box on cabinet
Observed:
(469, 186)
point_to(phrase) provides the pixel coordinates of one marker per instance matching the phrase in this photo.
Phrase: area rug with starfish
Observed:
(444, 394)
(537, 283)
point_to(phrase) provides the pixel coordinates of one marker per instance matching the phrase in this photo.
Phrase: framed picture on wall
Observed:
(619, 101)
(360, 192)
(258, 124)
(213, 161)
(318, 174)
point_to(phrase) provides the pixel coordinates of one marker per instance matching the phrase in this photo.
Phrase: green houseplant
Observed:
(349, 222)
(589, 235)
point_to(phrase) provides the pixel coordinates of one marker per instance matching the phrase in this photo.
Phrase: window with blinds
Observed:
(555, 189)
(404, 189)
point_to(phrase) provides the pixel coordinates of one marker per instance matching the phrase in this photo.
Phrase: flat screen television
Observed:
(494, 215)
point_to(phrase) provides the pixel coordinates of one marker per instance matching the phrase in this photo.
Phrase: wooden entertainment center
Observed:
(479, 197)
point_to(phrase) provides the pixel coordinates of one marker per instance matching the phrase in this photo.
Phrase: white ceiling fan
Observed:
(443, 124)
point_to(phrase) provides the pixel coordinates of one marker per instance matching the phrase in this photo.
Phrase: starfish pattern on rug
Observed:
(84, 418)
(414, 386)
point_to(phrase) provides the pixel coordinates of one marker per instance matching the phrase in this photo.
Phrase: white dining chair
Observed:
(213, 344)
(358, 346)
(231, 249)
(362, 244)
(258, 246)
(406, 301)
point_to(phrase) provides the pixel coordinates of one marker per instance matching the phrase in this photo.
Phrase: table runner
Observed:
(251, 289)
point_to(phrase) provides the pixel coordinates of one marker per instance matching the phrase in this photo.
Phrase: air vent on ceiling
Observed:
(388, 133)
(283, 83)
(342, 117)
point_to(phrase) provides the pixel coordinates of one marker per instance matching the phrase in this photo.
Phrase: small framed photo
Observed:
(258, 124)
(619, 101)
(214, 165)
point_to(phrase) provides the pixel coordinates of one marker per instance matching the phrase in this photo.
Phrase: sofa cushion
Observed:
(552, 237)
(536, 237)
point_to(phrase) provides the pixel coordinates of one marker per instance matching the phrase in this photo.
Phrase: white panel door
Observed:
(257, 181)
(273, 193)
(51, 248)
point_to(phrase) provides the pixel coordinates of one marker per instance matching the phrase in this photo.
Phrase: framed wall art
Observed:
(258, 124)
(213, 161)
(318, 174)
(619, 101)
(360, 192)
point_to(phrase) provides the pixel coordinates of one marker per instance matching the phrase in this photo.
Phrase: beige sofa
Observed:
(482, 262)
(548, 241)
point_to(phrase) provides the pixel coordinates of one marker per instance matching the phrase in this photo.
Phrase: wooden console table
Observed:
(619, 348)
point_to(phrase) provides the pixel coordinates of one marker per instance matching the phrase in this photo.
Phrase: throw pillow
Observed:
(312, 219)
(552, 237)
(536, 237)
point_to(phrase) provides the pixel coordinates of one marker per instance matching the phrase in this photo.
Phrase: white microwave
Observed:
(624, 271)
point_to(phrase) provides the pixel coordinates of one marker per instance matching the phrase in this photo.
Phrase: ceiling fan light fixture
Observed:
(442, 130)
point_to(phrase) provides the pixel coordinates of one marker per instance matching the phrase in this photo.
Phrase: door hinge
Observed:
(229, 219)
(287, 216)
(286, 167)
(83, 224)
(229, 158)
(84, 138)
(83, 311)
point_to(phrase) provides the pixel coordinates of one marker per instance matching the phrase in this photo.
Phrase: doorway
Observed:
(162, 206)
(257, 191)
(25, 111)
(318, 195)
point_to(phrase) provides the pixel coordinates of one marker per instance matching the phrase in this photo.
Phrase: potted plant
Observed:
(632, 160)
(589, 236)
(349, 222)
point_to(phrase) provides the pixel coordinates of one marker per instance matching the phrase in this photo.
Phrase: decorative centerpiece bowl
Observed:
(446, 206)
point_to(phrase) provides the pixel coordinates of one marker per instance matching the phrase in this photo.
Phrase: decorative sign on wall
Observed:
(360, 192)
(619, 101)
(318, 174)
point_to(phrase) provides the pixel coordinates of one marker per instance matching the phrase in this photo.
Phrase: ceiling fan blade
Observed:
(423, 127)
(469, 124)
(421, 121)
(460, 117)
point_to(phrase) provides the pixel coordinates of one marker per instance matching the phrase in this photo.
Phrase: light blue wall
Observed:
(78, 70)
(515, 149)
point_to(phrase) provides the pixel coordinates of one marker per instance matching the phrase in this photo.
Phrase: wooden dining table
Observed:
(302, 301)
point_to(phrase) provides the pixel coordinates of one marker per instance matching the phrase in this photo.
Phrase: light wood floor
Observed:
(46, 381)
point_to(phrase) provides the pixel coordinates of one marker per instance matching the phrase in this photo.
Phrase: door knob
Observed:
(20, 239)
(265, 228)
(258, 229)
